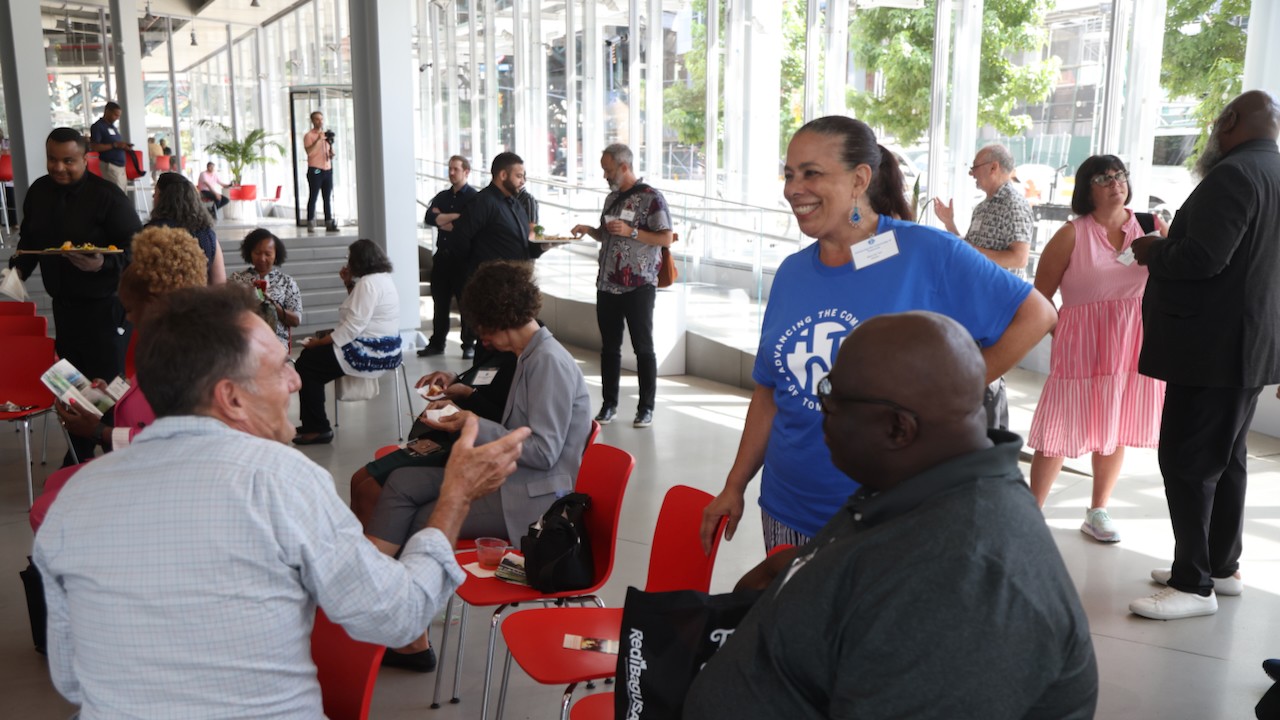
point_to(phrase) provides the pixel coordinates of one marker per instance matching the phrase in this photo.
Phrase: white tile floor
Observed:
(1199, 668)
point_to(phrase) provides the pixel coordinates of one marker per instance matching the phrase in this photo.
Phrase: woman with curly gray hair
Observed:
(175, 203)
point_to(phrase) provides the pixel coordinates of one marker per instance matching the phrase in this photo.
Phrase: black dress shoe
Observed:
(1272, 669)
(468, 353)
(605, 416)
(423, 662)
(430, 350)
(644, 418)
(320, 438)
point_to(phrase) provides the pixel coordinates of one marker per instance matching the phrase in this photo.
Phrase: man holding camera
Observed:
(318, 143)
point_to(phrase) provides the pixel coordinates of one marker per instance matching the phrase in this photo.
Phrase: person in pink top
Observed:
(164, 259)
(1094, 399)
(210, 187)
(318, 143)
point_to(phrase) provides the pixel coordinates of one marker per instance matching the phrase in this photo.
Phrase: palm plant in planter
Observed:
(241, 154)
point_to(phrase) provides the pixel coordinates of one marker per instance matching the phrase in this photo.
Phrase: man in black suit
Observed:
(1211, 320)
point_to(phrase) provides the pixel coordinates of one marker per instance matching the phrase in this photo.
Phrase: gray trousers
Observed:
(409, 497)
(997, 405)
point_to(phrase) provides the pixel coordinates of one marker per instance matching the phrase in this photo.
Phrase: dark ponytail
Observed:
(888, 193)
(859, 147)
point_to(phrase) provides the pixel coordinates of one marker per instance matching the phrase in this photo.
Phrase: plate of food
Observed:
(555, 238)
(67, 248)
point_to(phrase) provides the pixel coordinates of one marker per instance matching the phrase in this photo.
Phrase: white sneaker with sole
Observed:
(1098, 525)
(1229, 586)
(1171, 604)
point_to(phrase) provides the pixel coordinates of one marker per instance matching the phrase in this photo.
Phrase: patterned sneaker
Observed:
(1171, 604)
(1098, 525)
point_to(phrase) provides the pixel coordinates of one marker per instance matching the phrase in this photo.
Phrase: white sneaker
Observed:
(1171, 604)
(1098, 525)
(311, 226)
(1229, 586)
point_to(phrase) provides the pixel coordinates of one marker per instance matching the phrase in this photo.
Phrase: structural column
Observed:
(964, 98)
(1262, 53)
(26, 90)
(381, 68)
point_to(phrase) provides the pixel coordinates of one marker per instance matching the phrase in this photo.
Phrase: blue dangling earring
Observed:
(856, 218)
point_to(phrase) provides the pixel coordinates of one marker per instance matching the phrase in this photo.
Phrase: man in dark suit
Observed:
(1211, 320)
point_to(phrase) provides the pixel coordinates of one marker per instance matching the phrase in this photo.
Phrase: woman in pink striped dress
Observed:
(1094, 400)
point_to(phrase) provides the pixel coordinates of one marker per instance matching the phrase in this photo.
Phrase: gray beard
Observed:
(1209, 157)
(614, 185)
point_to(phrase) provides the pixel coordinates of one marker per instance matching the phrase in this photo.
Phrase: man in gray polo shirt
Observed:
(910, 603)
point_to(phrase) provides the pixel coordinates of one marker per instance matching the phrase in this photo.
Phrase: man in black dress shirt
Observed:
(1211, 325)
(446, 269)
(75, 206)
(494, 226)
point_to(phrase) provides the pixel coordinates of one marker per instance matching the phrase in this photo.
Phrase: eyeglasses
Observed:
(975, 166)
(1104, 180)
(825, 395)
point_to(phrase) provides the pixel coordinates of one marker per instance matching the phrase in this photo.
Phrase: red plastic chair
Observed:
(594, 707)
(592, 434)
(25, 326)
(163, 162)
(347, 670)
(12, 309)
(21, 364)
(132, 171)
(604, 474)
(93, 164)
(535, 637)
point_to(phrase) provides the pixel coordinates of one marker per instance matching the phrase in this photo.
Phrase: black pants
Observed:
(636, 309)
(1202, 459)
(218, 201)
(320, 182)
(317, 367)
(93, 335)
(448, 277)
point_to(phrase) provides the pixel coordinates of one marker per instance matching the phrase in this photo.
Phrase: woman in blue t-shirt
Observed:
(846, 191)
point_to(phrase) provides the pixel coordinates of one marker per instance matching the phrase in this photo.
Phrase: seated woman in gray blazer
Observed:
(548, 394)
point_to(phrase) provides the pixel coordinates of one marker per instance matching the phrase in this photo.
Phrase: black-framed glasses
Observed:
(974, 168)
(1104, 180)
(825, 394)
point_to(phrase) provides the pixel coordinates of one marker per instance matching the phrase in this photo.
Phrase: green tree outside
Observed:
(1208, 64)
(899, 44)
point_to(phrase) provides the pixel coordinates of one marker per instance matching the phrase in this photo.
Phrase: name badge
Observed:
(874, 249)
(628, 215)
(485, 377)
(1126, 257)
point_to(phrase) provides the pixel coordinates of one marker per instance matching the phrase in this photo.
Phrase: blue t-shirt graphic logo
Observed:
(812, 356)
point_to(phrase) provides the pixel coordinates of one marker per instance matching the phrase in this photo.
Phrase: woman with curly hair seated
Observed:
(548, 395)
(164, 259)
(175, 203)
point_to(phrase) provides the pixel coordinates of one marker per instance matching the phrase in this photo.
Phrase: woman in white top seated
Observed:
(366, 342)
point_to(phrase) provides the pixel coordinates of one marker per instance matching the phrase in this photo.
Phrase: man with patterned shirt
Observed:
(1001, 230)
(634, 227)
(182, 573)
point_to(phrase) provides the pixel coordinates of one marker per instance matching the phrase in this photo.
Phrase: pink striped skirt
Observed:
(1094, 399)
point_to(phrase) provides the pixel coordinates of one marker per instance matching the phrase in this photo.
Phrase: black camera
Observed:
(328, 136)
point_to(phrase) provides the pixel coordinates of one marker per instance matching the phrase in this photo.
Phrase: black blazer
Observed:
(1211, 314)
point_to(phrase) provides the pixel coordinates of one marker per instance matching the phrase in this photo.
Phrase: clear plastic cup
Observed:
(489, 552)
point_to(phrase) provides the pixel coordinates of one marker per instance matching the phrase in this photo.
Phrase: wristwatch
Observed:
(635, 233)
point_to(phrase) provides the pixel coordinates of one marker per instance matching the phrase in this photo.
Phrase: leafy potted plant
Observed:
(241, 154)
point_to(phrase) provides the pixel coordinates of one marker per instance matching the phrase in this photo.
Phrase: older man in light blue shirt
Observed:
(182, 573)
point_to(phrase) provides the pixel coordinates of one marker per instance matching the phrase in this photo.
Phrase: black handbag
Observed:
(666, 639)
(557, 552)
